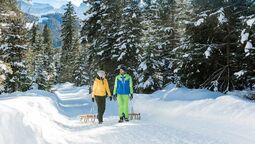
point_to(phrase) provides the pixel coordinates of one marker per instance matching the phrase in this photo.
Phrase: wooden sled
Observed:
(88, 118)
(134, 116)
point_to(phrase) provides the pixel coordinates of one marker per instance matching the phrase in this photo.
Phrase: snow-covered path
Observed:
(170, 116)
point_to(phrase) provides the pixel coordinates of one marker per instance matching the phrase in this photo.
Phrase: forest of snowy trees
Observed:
(193, 43)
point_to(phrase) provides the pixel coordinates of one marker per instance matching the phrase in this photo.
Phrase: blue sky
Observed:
(58, 3)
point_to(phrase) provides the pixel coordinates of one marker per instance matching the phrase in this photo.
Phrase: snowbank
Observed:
(31, 120)
(69, 100)
(13, 129)
(198, 103)
(39, 117)
(171, 92)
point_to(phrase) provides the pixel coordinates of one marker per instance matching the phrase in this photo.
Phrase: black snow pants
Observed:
(100, 100)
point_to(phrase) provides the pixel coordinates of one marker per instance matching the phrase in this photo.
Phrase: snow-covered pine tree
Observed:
(14, 47)
(5, 69)
(56, 59)
(104, 21)
(128, 44)
(15, 52)
(31, 53)
(30, 61)
(33, 33)
(80, 73)
(108, 34)
(4, 24)
(40, 76)
(213, 54)
(37, 57)
(148, 72)
(188, 56)
(49, 64)
(168, 39)
(184, 13)
(69, 36)
(246, 74)
(89, 34)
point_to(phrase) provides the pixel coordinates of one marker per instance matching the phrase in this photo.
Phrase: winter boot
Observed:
(124, 117)
(121, 120)
(100, 119)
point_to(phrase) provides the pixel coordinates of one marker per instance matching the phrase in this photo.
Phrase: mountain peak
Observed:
(38, 9)
(54, 3)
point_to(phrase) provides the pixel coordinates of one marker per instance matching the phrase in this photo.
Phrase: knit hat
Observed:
(123, 68)
(101, 73)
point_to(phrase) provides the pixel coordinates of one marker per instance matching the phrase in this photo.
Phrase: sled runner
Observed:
(88, 118)
(133, 115)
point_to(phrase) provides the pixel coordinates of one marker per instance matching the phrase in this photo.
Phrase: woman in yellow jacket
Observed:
(100, 88)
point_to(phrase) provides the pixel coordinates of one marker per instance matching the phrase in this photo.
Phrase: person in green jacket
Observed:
(123, 91)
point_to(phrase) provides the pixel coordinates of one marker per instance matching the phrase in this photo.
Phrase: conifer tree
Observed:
(15, 41)
(49, 64)
(213, 55)
(69, 36)
(149, 57)
(128, 43)
(89, 34)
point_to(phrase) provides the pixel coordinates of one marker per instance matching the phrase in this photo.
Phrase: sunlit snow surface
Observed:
(169, 116)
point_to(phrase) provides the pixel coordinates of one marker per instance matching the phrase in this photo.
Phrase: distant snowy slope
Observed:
(36, 9)
(54, 22)
(58, 3)
(39, 9)
(46, 14)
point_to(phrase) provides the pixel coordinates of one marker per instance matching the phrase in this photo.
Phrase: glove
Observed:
(93, 99)
(115, 97)
(131, 96)
(110, 98)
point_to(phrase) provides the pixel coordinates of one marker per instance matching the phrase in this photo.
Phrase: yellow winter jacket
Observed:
(100, 87)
